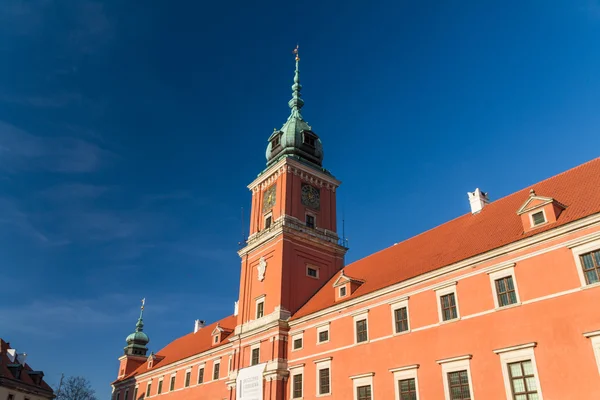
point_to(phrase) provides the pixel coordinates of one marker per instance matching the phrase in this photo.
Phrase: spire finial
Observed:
(140, 324)
(296, 102)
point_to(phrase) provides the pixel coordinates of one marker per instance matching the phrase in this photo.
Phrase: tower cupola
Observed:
(295, 138)
(138, 340)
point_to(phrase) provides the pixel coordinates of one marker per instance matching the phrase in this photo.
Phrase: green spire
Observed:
(296, 102)
(139, 327)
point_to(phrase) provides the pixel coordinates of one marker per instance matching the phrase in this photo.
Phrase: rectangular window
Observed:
(260, 309)
(361, 331)
(255, 356)
(135, 393)
(275, 142)
(458, 385)
(324, 381)
(311, 272)
(538, 218)
(159, 387)
(126, 395)
(309, 139)
(363, 392)
(590, 263)
(310, 221)
(148, 388)
(505, 290)
(401, 319)
(201, 375)
(407, 389)
(448, 304)
(342, 291)
(188, 376)
(268, 221)
(172, 385)
(297, 343)
(216, 371)
(118, 395)
(297, 389)
(522, 380)
(323, 336)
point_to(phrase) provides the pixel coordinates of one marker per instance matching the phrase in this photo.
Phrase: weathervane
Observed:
(143, 303)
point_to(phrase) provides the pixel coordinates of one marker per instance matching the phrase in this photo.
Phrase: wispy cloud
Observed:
(20, 150)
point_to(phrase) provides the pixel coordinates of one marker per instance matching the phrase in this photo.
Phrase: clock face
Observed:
(269, 198)
(311, 196)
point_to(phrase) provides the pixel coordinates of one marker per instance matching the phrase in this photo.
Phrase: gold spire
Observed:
(296, 53)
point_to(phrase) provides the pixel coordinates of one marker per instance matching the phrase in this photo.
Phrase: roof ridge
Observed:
(597, 159)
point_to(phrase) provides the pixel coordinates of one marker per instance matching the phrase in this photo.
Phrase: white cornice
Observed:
(514, 348)
(471, 262)
(275, 170)
(453, 359)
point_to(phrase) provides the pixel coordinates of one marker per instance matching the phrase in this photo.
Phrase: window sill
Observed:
(590, 286)
(508, 306)
(362, 343)
(323, 395)
(323, 342)
(401, 333)
(449, 321)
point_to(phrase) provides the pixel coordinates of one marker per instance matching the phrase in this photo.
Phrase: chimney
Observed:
(478, 200)
(198, 325)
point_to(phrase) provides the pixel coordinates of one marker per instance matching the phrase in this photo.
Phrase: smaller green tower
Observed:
(137, 341)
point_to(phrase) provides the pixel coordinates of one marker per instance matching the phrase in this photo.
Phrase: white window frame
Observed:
(295, 336)
(455, 364)
(402, 373)
(345, 287)
(595, 341)
(504, 271)
(161, 380)
(357, 317)
(315, 268)
(307, 213)
(187, 371)
(213, 370)
(442, 291)
(515, 354)
(579, 250)
(296, 370)
(230, 362)
(324, 363)
(533, 224)
(257, 301)
(148, 384)
(252, 348)
(265, 216)
(396, 305)
(173, 375)
(201, 366)
(136, 391)
(363, 380)
(323, 328)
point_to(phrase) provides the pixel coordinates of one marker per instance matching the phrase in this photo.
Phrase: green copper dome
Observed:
(295, 138)
(137, 341)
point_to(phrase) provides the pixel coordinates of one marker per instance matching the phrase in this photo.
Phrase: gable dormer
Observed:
(344, 286)
(219, 334)
(151, 359)
(538, 211)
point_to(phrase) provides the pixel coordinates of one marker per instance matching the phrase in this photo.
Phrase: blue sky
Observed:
(129, 131)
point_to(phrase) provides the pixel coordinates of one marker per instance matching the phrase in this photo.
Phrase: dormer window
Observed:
(538, 218)
(309, 139)
(345, 286)
(538, 210)
(276, 141)
(343, 291)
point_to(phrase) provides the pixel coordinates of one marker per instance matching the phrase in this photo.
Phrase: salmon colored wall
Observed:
(556, 315)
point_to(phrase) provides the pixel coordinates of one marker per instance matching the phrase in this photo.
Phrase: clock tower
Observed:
(293, 247)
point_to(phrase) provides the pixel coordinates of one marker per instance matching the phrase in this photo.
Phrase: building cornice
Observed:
(287, 164)
(471, 262)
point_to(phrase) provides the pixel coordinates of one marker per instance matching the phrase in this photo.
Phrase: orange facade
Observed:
(500, 303)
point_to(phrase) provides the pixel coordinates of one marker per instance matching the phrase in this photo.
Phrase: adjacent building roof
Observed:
(496, 225)
(188, 345)
(17, 374)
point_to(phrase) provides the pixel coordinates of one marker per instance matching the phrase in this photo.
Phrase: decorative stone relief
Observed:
(262, 268)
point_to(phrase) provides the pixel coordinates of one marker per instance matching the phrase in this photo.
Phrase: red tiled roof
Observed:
(469, 235)
(187, 346)
(24, 376)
